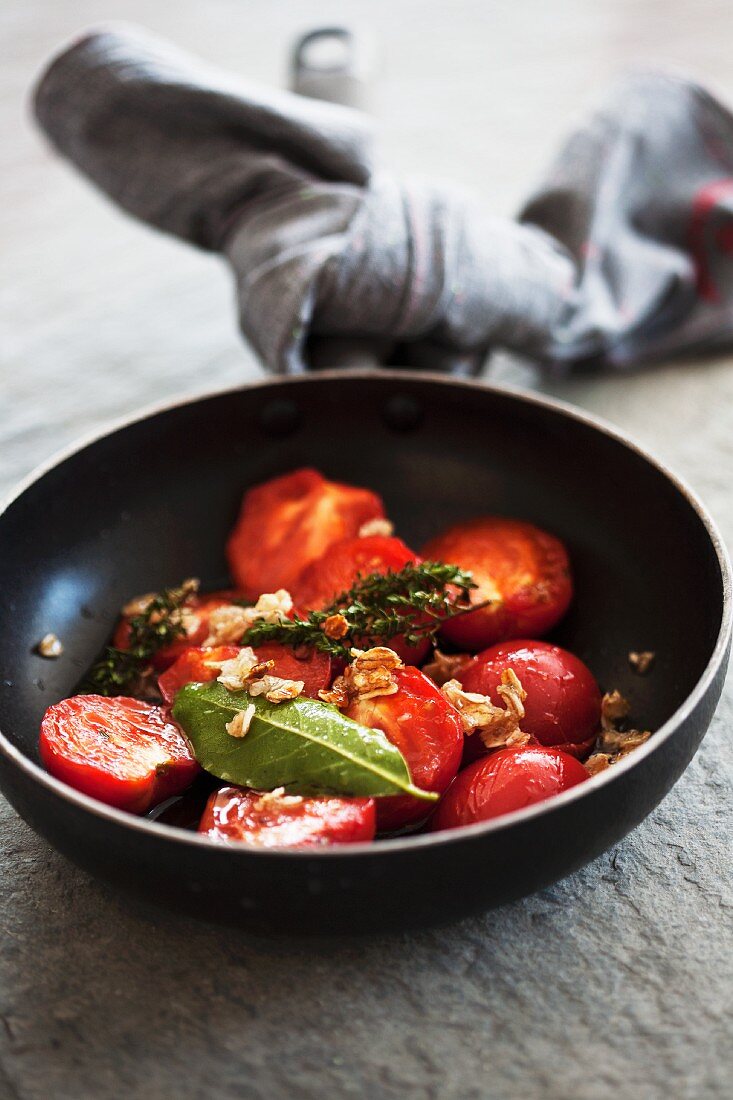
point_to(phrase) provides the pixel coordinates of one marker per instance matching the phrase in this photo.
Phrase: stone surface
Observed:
(614, 983)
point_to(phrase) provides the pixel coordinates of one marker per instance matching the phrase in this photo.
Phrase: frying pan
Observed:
(152, 501)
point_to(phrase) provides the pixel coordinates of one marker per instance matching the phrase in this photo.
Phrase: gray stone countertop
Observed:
(615, 982)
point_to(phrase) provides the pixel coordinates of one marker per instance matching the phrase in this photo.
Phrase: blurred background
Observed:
(101, 316)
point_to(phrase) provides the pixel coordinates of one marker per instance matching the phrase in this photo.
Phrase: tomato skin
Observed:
(119, 750)
(239, 816)
(194, 666)
(200, 607)
(339, 566)
(288, 522)
(563, 704)
(313, 668)
(529, 569)
(428, 733)
(337, 570)
(507, 780)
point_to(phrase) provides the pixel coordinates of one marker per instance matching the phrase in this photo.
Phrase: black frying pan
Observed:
(152, 502)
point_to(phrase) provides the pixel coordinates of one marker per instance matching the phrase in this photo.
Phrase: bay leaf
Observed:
(304, 745)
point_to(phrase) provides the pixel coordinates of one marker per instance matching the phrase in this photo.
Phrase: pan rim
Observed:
(396, 846)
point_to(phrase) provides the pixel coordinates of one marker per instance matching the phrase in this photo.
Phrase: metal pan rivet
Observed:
(403, 413)
(280, 417)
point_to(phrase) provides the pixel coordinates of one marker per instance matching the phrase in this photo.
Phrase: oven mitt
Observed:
(624, 252)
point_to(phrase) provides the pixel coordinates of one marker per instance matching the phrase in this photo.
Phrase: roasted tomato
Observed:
(563, 704)
(199, 665)
(338, 570)
(428, 733)
(196, 622)
(524, 572)
(196, 665)
(509, 779)
(277, 820)
(312, 667)
(123, 752)
(290, 521)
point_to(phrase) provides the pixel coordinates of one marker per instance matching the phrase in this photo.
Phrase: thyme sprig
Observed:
(158, 623)
(414, 601)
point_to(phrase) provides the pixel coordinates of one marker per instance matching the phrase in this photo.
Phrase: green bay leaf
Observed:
(304, 745)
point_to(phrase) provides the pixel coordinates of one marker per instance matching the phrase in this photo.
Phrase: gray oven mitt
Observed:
(624, 252)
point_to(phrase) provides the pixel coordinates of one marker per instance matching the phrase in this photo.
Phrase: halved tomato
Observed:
(523, 571)
(288, 522)
(339, 568)
(276, 820)
(563, 703)
(427, 731)
(125, 753)
(199, 665)
(196, 665)
(196, 622)
(312, 667)
(509, 779)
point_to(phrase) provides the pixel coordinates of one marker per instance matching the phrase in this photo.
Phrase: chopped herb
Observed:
(414, 602)
(159, 623)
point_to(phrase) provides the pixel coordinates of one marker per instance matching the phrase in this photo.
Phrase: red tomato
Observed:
(525, 572)
(194, 666)
(509, 779)
(427, 731)
(197, 628)
(260, 820)
(125, 753)
(337, 570)
(313, 668)
(563, 704)
(288, 522)
(339, 566)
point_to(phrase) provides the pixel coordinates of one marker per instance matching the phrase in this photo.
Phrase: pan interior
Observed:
(153, 502)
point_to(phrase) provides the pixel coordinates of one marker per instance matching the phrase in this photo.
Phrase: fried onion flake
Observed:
(497, 727)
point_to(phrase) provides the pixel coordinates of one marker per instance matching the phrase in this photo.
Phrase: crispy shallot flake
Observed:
(618, 743)
(641, 662)
(278, 798)
(138, 605)
(614, 746)
(597, 763)
(242, 720)
(184, 616)
(612, 743)
(336, 626)
(272, 607)
(512, 693)
(245, 673)
(50, 646)
(446, 666)
(496, 726)
(614, 708)
(237, 673)
(371, 673)
(376, 526)
(227, 624)
(336, 694)
(276, 689)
